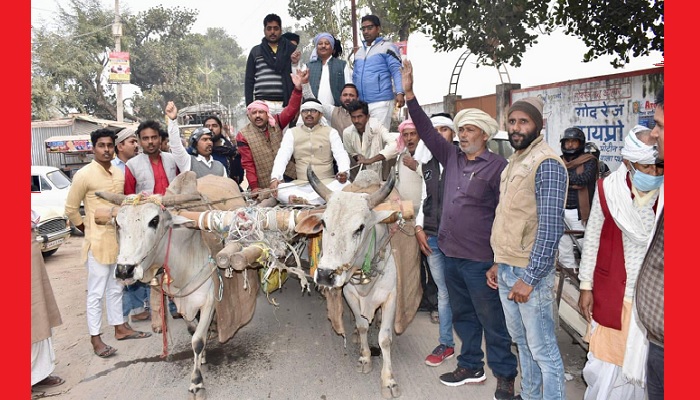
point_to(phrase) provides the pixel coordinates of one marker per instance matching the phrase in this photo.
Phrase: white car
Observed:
(50, 188)
(53, 228)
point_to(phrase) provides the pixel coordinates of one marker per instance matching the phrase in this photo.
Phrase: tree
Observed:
(499, 32)
(168, 62)
(67, 70)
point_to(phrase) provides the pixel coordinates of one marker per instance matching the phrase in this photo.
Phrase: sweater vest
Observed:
(409, 183)
(313, 147)
(432, 205)
(336, 69)
(140, 167)
(515, 226)
(610, 275)
(264, 149)
(201, 169)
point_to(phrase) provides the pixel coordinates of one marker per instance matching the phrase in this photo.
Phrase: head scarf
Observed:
(260, 105)
(323, 35)
(406, 124)
(443, 121)
(531, 106)
(478, 118)
(637, 151)
(315, 105)
(125, 134)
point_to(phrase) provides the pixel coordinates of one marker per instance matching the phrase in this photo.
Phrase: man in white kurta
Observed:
(313, 143)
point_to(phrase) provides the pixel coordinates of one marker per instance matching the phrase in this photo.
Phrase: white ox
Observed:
(348, 222)
(149, 236)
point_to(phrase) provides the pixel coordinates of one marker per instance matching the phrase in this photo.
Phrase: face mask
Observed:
(646, 182)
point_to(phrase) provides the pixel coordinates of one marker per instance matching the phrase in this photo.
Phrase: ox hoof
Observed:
(200, 394)
(391, 391)
(157, 328)
(364, 365)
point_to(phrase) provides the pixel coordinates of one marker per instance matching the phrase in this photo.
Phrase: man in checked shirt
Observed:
(526, 231)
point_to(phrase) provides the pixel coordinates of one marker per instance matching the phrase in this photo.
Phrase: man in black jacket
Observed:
(269, 67)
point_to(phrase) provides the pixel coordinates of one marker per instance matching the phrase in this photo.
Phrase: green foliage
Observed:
(168, 62)
(500, 31)
(612, 27)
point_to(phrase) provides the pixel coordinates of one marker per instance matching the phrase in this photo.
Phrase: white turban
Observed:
(440, 120)
(312, 105)
(478, 118)
(637, 151)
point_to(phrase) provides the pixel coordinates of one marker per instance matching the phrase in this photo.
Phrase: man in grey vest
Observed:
(316, 144)
(153, 170)
(201, 144)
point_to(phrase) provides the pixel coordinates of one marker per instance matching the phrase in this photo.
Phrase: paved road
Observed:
(286, 352)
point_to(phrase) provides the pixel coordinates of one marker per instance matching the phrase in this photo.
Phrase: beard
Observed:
(524, 143)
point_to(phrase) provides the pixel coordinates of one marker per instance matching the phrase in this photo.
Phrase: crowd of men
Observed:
(490, 228)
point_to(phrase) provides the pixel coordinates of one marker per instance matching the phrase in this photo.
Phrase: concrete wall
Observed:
(605, 108)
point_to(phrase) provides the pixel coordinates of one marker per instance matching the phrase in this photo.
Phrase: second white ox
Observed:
(351, 229)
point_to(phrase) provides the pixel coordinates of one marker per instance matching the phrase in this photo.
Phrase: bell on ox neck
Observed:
(364, 278)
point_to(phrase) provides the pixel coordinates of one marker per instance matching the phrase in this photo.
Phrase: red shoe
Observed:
(440, 354)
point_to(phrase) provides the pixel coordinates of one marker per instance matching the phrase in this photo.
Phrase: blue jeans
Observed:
(655, 372)
(531, 325)
(135, 298)
(477, 311)
(436, 261)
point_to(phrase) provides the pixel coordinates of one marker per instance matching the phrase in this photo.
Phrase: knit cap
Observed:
(531, 106)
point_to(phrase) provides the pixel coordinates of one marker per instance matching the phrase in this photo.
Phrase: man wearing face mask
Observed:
(622, 218)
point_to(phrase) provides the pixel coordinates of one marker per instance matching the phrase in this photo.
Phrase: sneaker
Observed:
(440, 354)
(505, 390)
(460, 376)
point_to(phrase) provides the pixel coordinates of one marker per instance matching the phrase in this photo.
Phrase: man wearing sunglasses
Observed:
(377, 65)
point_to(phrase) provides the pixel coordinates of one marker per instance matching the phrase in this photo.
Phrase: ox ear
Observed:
(310, 225)
(180, 221)
(380, 216)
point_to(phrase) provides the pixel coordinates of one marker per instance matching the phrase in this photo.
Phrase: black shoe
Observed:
(460, 376)
(505, 390)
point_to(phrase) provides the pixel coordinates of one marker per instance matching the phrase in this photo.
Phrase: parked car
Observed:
(53, 228)
(50, 188)
(500, 144)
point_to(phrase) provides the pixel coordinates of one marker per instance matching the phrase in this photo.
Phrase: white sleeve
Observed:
(348, 73)
(423, 195)
(339, 154)
(591, 244)
(182, 159)
(389, 138)
(284, 154)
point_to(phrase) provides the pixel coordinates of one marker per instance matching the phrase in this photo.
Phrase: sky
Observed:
(556, 58)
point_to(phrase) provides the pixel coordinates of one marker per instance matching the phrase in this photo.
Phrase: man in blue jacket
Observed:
(377, 65)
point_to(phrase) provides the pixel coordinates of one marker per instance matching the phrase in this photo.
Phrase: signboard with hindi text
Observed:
(119, 69)
(605, 108)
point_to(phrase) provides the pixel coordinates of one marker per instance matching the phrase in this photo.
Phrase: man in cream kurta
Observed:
(100, 246)
(367, 141)
(315, 144)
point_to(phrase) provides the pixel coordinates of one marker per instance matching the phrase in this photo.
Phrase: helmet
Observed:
(573, 133)
(593, 149)
(195, 136)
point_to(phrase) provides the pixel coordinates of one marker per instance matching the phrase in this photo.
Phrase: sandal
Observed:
(49, 382)
(135, 335)
(108, 351)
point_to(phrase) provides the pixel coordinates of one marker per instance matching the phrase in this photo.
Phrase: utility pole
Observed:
(117, 32)
(355, 47)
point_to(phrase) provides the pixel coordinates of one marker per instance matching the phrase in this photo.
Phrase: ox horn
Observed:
(382, 193)
(318, 186)
(115, 198)
(177, 199)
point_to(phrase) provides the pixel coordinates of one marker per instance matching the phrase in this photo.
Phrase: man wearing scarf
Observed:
(269, 67)
(259, 141)
(583, 172)
(619, 228)
(471, 190)
(409, 173)
(328, 73)
(313, 143)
